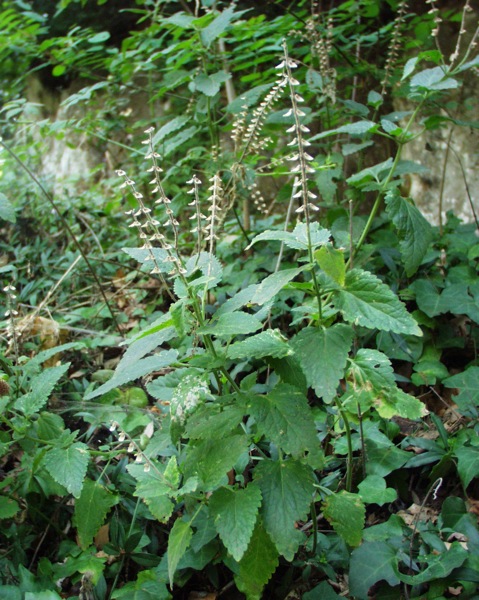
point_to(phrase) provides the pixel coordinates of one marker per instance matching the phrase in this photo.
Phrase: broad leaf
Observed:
(467, 383)
(231, 324)
(178, 541)
(358, 129)
(414, 230)
(7, 210)
(439, 565)
(322, 354)
(235, 513)
(382, 455)
(257, 565)
(370, 563)
(267, 343)
(373, 490)
(371, 368)
(433, 79)
(346, 513)
(366, 301)
(287, 489)
(211, 459)
(331, 261)
(298, 238)
(213, 420)
(219, 25)
(467, 463)
(273, 284)
(284, 417)
(154, 492)
(8, 507)
(134, 371)
(68, 466)
(91, 509)
(41, 387)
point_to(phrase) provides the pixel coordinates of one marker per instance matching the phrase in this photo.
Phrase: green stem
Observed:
(349, 463)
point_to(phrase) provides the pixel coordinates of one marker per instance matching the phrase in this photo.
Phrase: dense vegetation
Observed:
(237, 361)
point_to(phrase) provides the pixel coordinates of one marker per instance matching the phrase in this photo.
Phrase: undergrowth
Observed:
(286, 403)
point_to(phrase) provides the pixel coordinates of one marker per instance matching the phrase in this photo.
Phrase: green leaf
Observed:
(289, 371)
(371, 368)
(284, 417)
(287, 487)
(298, 238)
(7, 210)
(382, 455)
(331, 261)
(323, 591)
(102, 36)
(439, 565)
(235, 513)
(273, 284)
(409, 67)
(358, 129)
(467, 383)
(395, 402)
(169, 127)
(414, 230)
(211, 459)
(8, 507)
(346, 513)
(322, 354)
(375, 99)
(373, 490)
(134, 371)
(154, 492)
(427, 297)
(231, 324)
(213, 420)
(178, 541)
(367, 301)
(433, 80)
(41, 387)
(68, 466)
(219, 25)
(267, 343)
(257, 565)
(91, 509)
(370, 563)
(467, 463)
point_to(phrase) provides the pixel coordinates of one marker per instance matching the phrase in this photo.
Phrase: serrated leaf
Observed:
(467, 383)
(273, 284)
(322, 354)
(231, 324)
(219, 25)
(235, 513)
(68, 466)
(178, 541)
(371, 369)
(415, 232)
(287, 487)
(7, 210)
(8, 507)
(467, 463)
(289, 371)
(331, 261)
(257, 565)
(41, 386)
(91, 509)
(212, 420)
(284, 417)
(433, 79)
(211, 459)
(141, 255)
(154, 491)
(298, 238)
(134, 371)
(346, 513)
(370, 563)
(144, 345)
(439, 566)
(267, 343)
(366, 301)
(373, 490)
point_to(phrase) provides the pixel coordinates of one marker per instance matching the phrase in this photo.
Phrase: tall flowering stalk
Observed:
(395, 44)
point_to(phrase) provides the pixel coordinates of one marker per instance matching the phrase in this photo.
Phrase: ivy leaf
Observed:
(370, 563)
(373, 490)
(322, 354)
(346, 513)
(287, 487)
(257, 565)
(178, 542)
(439, 565)
(68, 466)
(273, 284)
(235, 513)
(414, 230)
(467, 463)
(91, 509)
(211, 459)
(41, 387)
(284, 417)
(230, 324)
(7, 210)
(135, 370)
(467, 383)
(267, 343)
(366, 301)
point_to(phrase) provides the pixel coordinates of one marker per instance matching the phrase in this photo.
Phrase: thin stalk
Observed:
(349, 462)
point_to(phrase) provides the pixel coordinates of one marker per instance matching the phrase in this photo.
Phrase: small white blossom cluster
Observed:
(133, 447)
(191, 391)
(300, 157)
(321, 48)
(434, 12)
(258, 198)
(214, 209)
(462, 31)
(395, 43)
